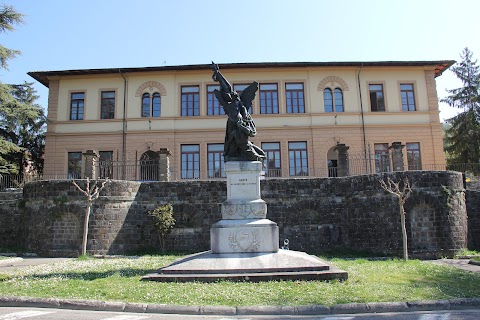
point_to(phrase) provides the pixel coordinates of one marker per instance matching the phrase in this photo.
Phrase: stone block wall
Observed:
(314, 214)
(10, 204)
(473, 210)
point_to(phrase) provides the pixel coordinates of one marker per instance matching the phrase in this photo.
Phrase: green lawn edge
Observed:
(118, 279)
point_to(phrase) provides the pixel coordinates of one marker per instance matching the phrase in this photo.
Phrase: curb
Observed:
(349, 308)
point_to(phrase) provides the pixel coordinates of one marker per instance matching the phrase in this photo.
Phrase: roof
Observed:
(440, 66)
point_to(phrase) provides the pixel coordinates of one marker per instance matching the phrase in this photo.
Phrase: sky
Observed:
(89, 34)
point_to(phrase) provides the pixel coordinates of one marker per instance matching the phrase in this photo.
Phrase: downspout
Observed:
(124, 125)
(363, 119)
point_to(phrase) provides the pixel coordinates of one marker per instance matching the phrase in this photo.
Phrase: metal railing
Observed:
(152, 172)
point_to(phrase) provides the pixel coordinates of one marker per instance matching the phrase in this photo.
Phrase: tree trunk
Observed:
(85, 229)
(404, 233)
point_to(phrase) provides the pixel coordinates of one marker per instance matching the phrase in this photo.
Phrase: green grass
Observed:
(476, 259)
(119, 280)
(467, 253)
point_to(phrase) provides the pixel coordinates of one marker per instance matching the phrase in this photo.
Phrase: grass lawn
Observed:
(119, 280)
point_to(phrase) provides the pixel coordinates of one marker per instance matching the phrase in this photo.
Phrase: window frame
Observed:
(77, 165)
(105, 164)
(293, 170)
(213, 105)
(329, 90)
(276, 171)
(418, 151)
(370, 91)
(275, 107)
(411, 83)
(114, 106)
(195, 101)
(289, 101)
(150, 97)
(382, 158)
(71, 100)
(214, 156)
(195, 162)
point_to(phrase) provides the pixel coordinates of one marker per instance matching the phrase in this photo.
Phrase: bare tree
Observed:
(91, 193)
(402, 190)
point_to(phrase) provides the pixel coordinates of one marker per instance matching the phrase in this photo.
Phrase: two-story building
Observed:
(134, 118)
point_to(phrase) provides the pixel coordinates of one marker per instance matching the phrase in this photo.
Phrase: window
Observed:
(190, 101)
(74, 165)
(190, 161)
(377, 100)
(338, 100)
(106, 164)
(272, 151)
(297, 157)
(269, 98)
(328, 100)
(408, 97)
(77, 105)
(215, 161)
(413, 156)
(330, 103)
(151, 105)
(156, 104)
(295, 98)
(382, 157)
(213, 106)
(107, 105)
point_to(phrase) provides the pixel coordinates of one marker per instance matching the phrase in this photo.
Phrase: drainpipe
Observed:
(124, 125)
(363, 120)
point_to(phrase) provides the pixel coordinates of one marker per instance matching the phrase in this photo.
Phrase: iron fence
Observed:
(151, 171)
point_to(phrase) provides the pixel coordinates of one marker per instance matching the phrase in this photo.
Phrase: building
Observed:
(158, 123)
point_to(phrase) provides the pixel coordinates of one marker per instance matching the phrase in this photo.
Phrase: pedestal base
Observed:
(282, 265)
(245, 235)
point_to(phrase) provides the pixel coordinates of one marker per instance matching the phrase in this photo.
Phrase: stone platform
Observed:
(258, 266)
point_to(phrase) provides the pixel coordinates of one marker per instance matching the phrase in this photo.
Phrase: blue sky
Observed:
(63, 34)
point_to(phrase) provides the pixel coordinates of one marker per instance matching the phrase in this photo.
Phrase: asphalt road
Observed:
(15, 313)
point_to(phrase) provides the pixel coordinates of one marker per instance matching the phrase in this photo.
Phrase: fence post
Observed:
(164, 164)
(342, 158)
(91, 157)
(397, 156)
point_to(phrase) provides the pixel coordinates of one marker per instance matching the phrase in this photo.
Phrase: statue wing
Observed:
(218, 95)
(248, 95)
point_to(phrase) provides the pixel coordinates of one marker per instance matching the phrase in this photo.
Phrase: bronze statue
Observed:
(240, 125)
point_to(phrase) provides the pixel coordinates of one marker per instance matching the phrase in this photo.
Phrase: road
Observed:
(16, 313)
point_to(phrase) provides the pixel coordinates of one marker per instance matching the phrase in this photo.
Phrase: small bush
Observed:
(163, 221)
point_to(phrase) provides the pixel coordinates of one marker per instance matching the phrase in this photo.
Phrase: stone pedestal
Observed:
(244, 227)
(244, 244)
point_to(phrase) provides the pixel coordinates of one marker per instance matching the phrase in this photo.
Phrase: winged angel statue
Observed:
(240, 125)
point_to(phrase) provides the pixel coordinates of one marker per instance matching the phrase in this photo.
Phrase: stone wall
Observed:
(10, 201)
(314, 214)
(473, 209)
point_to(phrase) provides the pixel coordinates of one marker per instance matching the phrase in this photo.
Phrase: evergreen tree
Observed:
(462, 138)
(21, 119)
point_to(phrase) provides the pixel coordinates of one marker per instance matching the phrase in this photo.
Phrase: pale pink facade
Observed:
(302, 111)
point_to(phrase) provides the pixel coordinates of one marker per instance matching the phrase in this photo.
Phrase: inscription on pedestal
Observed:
(244, 186)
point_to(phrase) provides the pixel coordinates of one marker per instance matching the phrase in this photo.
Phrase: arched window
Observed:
(328, 100)
(146, 105)
(151, 105)
(338, 100)
(156, 105)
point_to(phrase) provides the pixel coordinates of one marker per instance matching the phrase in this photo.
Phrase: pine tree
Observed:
(22, 121)
(463, 136)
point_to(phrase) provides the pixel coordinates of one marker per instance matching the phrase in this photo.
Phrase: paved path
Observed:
(459, 263)
(14, 263)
